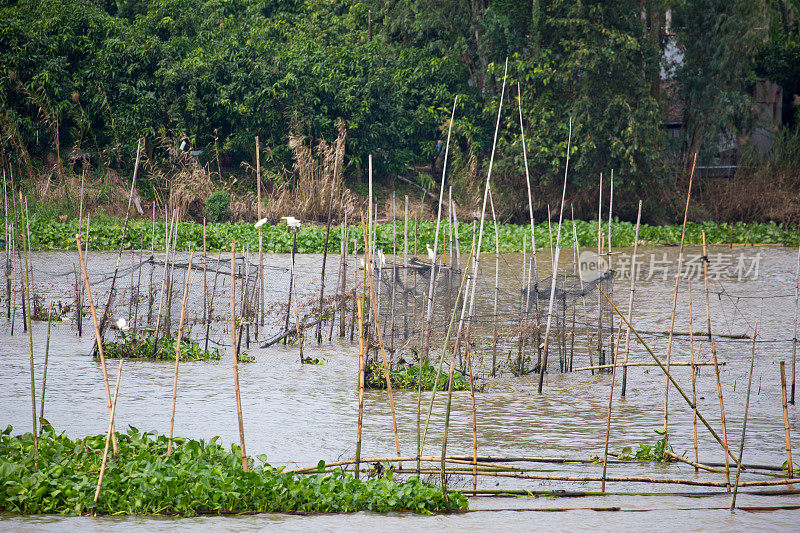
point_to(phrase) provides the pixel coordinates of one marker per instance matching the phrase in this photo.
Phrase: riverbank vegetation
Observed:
(647, 86)
(198, 477)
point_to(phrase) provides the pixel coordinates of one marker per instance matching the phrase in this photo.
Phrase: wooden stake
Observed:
(26, 244)
(796, 308)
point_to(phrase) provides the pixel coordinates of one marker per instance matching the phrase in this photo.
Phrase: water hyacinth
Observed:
(200, 477)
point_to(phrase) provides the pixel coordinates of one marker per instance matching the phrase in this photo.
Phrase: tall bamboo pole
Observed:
(630, 299)
(789, 464)
(97, 333)
(744, 422)
(245, 465)
(260, 309)
(543, 366)
(178, 338)
(614, 355)
(716, 364)
(476, 257)
(110, 435)
(26, 244)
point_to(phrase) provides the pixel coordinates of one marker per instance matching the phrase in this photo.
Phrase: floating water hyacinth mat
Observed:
(409, 376)
(200, 477)
(141, 347)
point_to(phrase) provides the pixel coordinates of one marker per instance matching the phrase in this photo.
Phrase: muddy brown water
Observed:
(297, 414)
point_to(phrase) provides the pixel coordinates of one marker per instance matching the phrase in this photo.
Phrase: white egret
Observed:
(260, 223)
(122, 325)
(431, 254)
(292, 222)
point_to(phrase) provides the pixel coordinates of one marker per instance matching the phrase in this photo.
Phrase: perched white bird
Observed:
(431, 254)
(361, 263)
(260, 223)
(292, 222)
(381, 259)
(122, 325)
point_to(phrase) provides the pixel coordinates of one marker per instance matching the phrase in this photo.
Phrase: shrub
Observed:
(217, 206)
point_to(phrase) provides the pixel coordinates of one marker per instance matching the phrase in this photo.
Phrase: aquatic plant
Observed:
(650, 452)
(140, 346)
(199, 477)
(104, 234)
(409, 376)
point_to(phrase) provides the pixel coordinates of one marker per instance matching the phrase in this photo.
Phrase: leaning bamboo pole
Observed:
(245, 465)
(373, 301)
(178, 340)
(669, 376)
(630, 299)
(744, 421)
(110, 435)
(789, 464)
(476, 256)
(97, 333)
(675, 301)
(432, 285)
(614, 355)
(543, 367)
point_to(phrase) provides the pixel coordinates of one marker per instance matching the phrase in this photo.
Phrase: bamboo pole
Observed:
(361, 365)
(669, 376)
(476, 257)
(210, 316)
(178, 338)
(639, 363)
(110, 434)
(386, 373)
(789, 464)
(245, 465)
(47, 358)
(432, 285)
(675, 301)
(796, 310)
(26, 248)
(112, 290)
(260, 238)
(543, 366)
(744, 422)
(614, 355)
(630, 299)
(474, 417)
(7, 246)
(694, 375)
(167, 238)
(716, 365)
(100, 346)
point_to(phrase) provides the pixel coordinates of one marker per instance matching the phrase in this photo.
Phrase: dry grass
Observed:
(317, 189)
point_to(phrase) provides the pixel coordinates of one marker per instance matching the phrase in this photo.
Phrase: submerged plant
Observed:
(199, 477)
(409, 377)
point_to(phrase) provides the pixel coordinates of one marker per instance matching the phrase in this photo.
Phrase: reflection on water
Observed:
(297, 414)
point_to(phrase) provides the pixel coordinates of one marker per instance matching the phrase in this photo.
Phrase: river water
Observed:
(297, 414)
